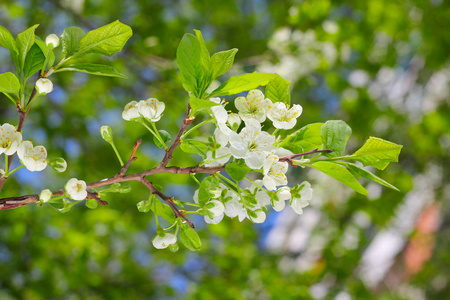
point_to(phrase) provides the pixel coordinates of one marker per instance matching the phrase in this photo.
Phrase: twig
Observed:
(96, 197)
(167, 199)
(177, 140)
(290, 157)
(132, 158)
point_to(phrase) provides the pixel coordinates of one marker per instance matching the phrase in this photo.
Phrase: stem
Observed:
(45, 62)
(19, 167)
(6, 164)
(117, 153)
(195, 178)
(195, 127)
(154, 210)
(275, 131)
(159, 136)
(154, 134)
(224, 178)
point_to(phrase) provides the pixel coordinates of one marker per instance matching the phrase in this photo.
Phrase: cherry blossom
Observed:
(10, 139)
(282, 117)
(76, 189)
(254, 106)
(33, 158)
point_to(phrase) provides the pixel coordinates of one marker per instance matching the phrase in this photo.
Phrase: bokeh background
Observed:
(380, 65)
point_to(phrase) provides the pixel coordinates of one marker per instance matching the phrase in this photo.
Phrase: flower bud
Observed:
(44, 86)
(45, 195)
(106, 133)
(59, 164)
(174, 247)
(52, 41)
(123, 189)
(234, 121)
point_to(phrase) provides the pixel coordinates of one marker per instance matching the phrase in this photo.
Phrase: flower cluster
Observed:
(258, 150)
(150, 109)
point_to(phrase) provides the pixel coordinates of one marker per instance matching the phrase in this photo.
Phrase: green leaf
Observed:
(335, 134)
(237, 170)
(144, 206)
(195, 147)
(279, 90)
(7, 40)
(95, 69)
(357, 170)
(45, 50)
(207, 184)
(339, 173)
(70, 40)
(200, 104)
(305, 139)
(377, 153)
(190, 238)
(24, 42)
(165, 136)
(9, 84)
(193, 64)
(67, 205)
(33, 62)
(242, 83)
(91, 203)
(222, 61)
(106, 40)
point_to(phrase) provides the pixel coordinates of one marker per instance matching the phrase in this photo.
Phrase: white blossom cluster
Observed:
(259, 151)
(150, 109)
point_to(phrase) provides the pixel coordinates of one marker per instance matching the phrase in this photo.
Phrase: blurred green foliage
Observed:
(400, 46)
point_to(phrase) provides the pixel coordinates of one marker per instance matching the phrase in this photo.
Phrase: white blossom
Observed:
(130, 112)
(52, 41)
(10, 139)
(254, 106)
(151, 109)
(274, 172)
(257, 216)
(45, 195)
(33, 158)
(222, 155)
(252, 144)
(282, 117)
(163, 240)
(44, 86)
(301, 199)
(76, 189)
(281, 195)
(234, 121)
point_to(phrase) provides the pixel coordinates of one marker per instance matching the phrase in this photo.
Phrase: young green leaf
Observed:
(339, 173)
(24, 42)
(33, 62)
(357, 170)
(237, 170)
(208, 183)
(190, 238)
(279, 90)
(305, 139)
(191, 62)
(200, 104)
(242, 83)
(377, 153)
(162, 209)
(95, 69)
(195, 147)
(70, 40)
(45, 50)
(9, 84)
(222, 61)
(106, 40)
(165, 136)
(335, 134)
(91, 203)
(7, 40)
(67, 205)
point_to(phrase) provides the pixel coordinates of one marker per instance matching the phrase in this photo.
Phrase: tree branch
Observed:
(177, 140)
(166, 199)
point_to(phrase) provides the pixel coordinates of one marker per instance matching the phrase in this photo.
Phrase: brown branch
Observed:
(166, 199)
(96, 197)
(291, 157)
(132, 158)
(177, 140)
